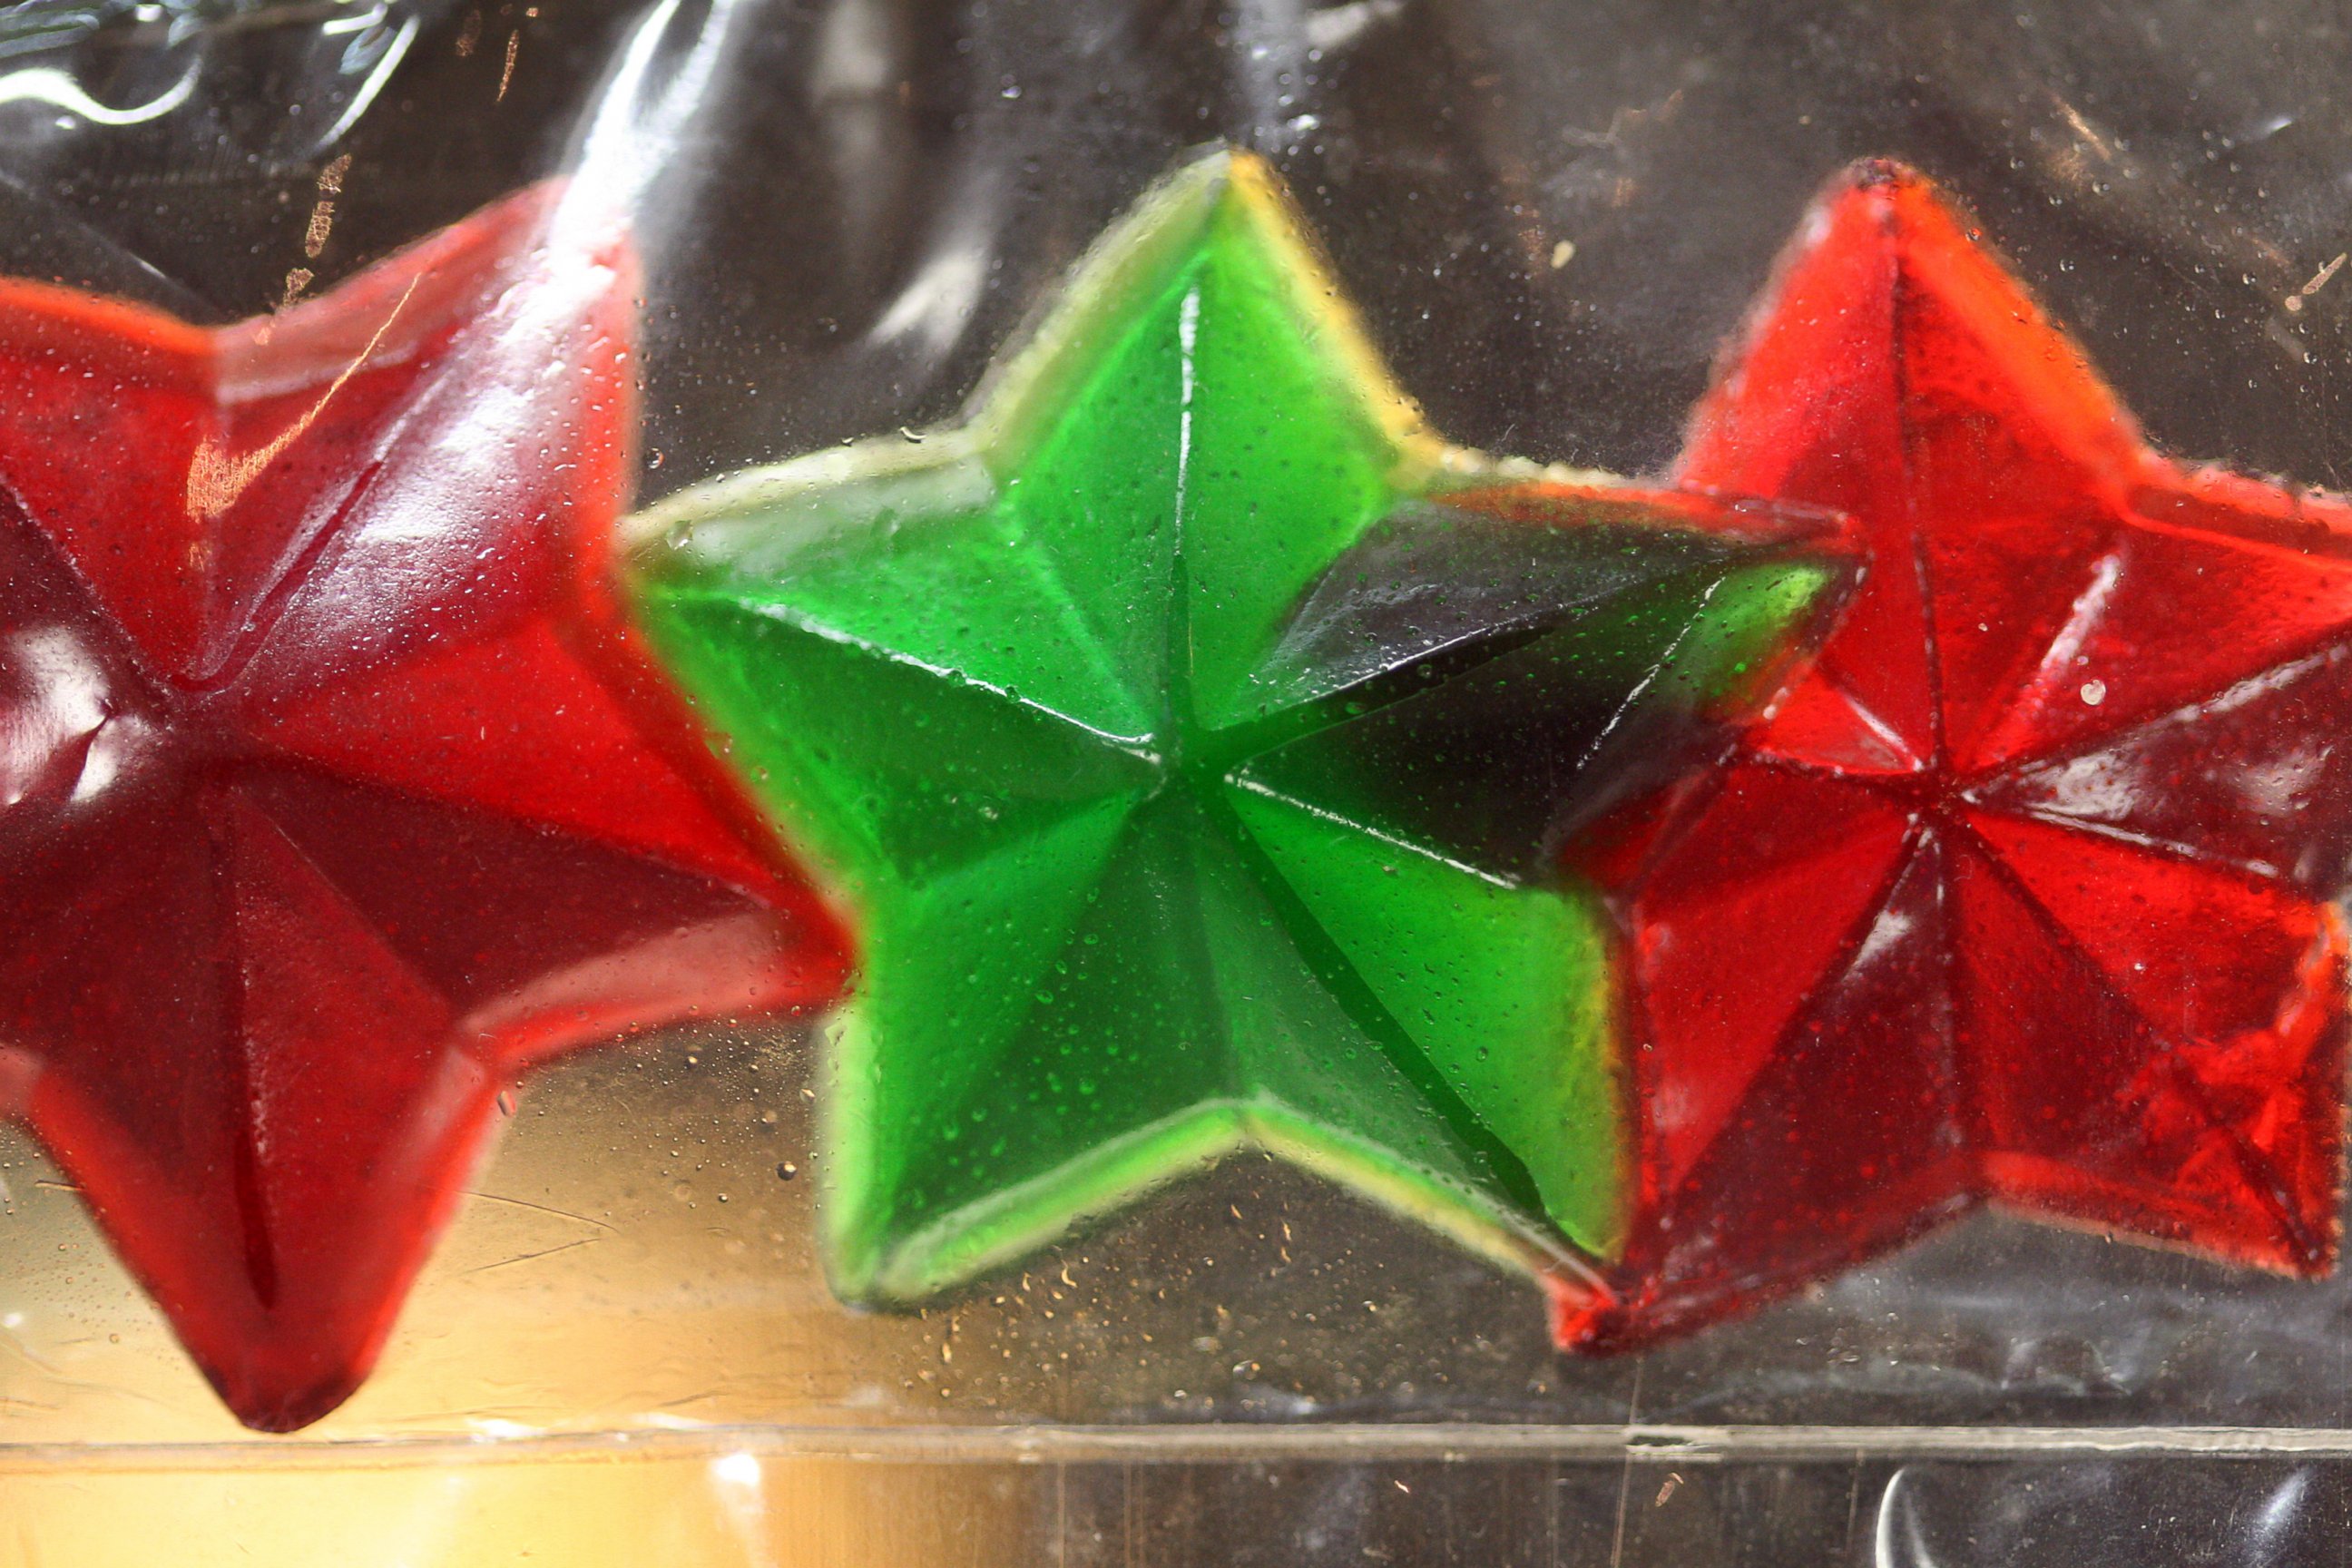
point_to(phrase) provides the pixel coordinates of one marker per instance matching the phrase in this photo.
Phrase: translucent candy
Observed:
(1193, 782)
(335, 793)
(2019, 894)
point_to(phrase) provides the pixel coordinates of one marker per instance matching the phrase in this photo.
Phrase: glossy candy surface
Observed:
(332, 792)
(1192, 783)
(2021, 894)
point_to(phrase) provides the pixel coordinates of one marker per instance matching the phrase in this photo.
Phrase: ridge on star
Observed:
(333, 790)
(2023, 893)
(1189, 736)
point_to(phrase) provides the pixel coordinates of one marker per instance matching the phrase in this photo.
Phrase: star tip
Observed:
(1220, 187)
(1201, 179)
(1581, 1307)
(1882, 172)
(1221, 163)
(264, 1405)
(863, 1272)
(2315, 1252)
(1890, 194)
(1249, 181)
(859, 1289)
(1249, 169)
(1208, 167)
(892, 1279)
(1150, 243)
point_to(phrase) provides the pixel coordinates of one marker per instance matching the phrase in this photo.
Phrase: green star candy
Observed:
(1191, 736)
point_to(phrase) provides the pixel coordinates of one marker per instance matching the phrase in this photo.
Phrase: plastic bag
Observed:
(1551, 218)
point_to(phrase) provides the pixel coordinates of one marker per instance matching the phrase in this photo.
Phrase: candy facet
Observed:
(2021, 893)
(335, 793)
(1191, 784)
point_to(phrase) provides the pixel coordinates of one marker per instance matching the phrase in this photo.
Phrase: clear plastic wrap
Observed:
(1550, 217)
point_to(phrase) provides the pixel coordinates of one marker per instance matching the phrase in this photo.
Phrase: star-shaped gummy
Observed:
(1189, 736)
(332, 789)
(2021, 893)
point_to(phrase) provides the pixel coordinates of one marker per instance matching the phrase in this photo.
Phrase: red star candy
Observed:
(332, 791)
(2019, 893)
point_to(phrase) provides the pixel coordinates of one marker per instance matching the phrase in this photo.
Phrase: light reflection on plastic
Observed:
(1898, 1541)
(736, 1469)
(356, 59)
(2278, 1515)
(375, 49)
(65, 701)
(740, 1480)
(638, 125)
(46, 84)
